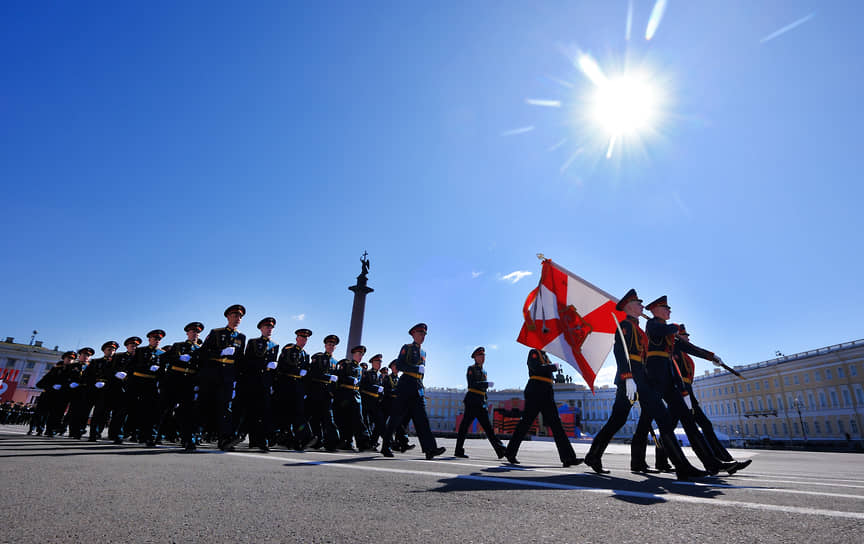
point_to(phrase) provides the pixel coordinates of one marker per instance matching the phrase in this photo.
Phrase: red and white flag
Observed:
(571, 319)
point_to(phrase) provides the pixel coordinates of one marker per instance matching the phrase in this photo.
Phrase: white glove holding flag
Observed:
(631, 389)
(490, 384)
(271, 365)
(99, 385)
(333, 377)
(154, 368)
(380, 388)
(302, 372)
(73, 385)
(228, 351)
(185, 357)
(120, 375)
(421, 369)
(718, 361)
(56, 387)
(688, 402)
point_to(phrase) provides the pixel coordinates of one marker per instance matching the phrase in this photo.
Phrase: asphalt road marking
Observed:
(524, 482)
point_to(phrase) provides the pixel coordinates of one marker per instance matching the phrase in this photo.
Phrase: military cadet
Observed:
(217, 376)
(145, 371)
(664, 376)
(54, 397)
(79, 406)
(292, 366)
(371, 389)
(319, 395)
(177, 385)
(347, 404)
(475, 406)
(97, 377)
(118, 396)
(687, 370)
(411, 402)
(391, 382)
(256, 372)
(39, 416)
(540, 399)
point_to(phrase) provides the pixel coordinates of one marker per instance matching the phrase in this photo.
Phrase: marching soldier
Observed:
(390, 384)
(117, 392)
(79, 407)
(540, 399)
(256, 372)
(292, 366)
(371, 389)
(146, 369)
(97, 377)
(348, 406)
(475, 406)
(411, 402)
(177, 386)
(319, 397)
(217, 376)
(54, 397)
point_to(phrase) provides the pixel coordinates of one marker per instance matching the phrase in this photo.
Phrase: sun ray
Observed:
(590, 68)
(629, 25)
(558, 144)
(611, 147)
(787, 28)
(542, 102)
(561, 82)
(515, 131)
(655, 19)
(570, 160)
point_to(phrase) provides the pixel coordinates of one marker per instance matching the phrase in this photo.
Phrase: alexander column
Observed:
(355, 333)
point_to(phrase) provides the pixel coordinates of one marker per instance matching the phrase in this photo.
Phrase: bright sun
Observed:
(625, 104)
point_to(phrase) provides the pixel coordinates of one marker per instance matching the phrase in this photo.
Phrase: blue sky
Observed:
(163, 160)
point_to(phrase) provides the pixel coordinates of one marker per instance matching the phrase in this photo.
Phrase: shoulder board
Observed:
(288, 346)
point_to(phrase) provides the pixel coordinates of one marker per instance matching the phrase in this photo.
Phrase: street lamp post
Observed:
(798, 404)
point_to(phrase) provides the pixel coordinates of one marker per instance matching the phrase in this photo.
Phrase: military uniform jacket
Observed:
(74, 375)
(369, 383)
(540, 371)
(321, 368)
(55, 376)
(122, 362)
(99, 370)
(410, 358)
(259, 352)
(292, 360)
(217, 340)
(477, 384)
(144, 359)
(630, 362)
(349, 374)
(661, 345)
(390, 384)
(686, 366)
(172, 358)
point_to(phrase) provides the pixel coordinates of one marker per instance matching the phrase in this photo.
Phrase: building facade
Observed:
(23, 365)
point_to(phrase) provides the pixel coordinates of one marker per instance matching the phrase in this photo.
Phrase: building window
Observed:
(25, 380)
(746, 428)
(757, 387)
(853, 426)
(859, 395)
(827, 373)
(840, 373)
(827, 427)
(786, 380)
(834, 402)
(817, 375)
(795, 379)
(770, 403)
(739, 388)
(751, 405)
(797, 429)
(766, 385)
(785, 428)
(11, 363)
(822, 402)
(811, 400)
(852, 370)
(847, 400)
(806, 377)
(779, 403)
(776, 383)
(774, 429)
(806, 426)
(840, 427)
(29, 365)
(748, 387)
(759, 403)
(817, 427)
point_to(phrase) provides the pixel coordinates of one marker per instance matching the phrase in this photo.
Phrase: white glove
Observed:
(228, 351)
(233, 394)
(185, 357)
(271, 365)
(73, 385)
(380, 388)
(490, 384)
(356, 381)
(56, 387)
(154, 368)
(717, 361)
(120, 375)
(195, 389)
(421, 369)
(631, 389)
(99, 385)
(302, 372)
(333, 377)
(688, 402)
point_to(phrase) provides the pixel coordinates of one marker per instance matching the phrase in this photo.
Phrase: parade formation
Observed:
(226, 388)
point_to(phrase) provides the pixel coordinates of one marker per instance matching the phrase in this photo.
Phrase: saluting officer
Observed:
(348, 407)
(475, 406)
(371, 389)
(217, 376)
(540, 399)
(54, 398)
(146, 370)
(411, 402)
(256, 379)
(292, 366)
(177, 386)
(79, 406)
(319, 396)
(97, 377)
(118, 394)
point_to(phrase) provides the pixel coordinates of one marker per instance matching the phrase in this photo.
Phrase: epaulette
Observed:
(288, 346)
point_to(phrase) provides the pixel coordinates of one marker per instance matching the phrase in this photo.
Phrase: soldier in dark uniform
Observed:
(540, 399)
(411, 402)
(293, 365)
(391, 382)
(687, 369)
(146, 370)
(475, 406)
(217, 376)
(256, 372)
(664, 378)
(97, 377)
(39, 416)
(347, 406)
(118, 396)
(54, 397)
(79, 406)
(319, 395)
(371, 389)
(177, 385)
(630, 350)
